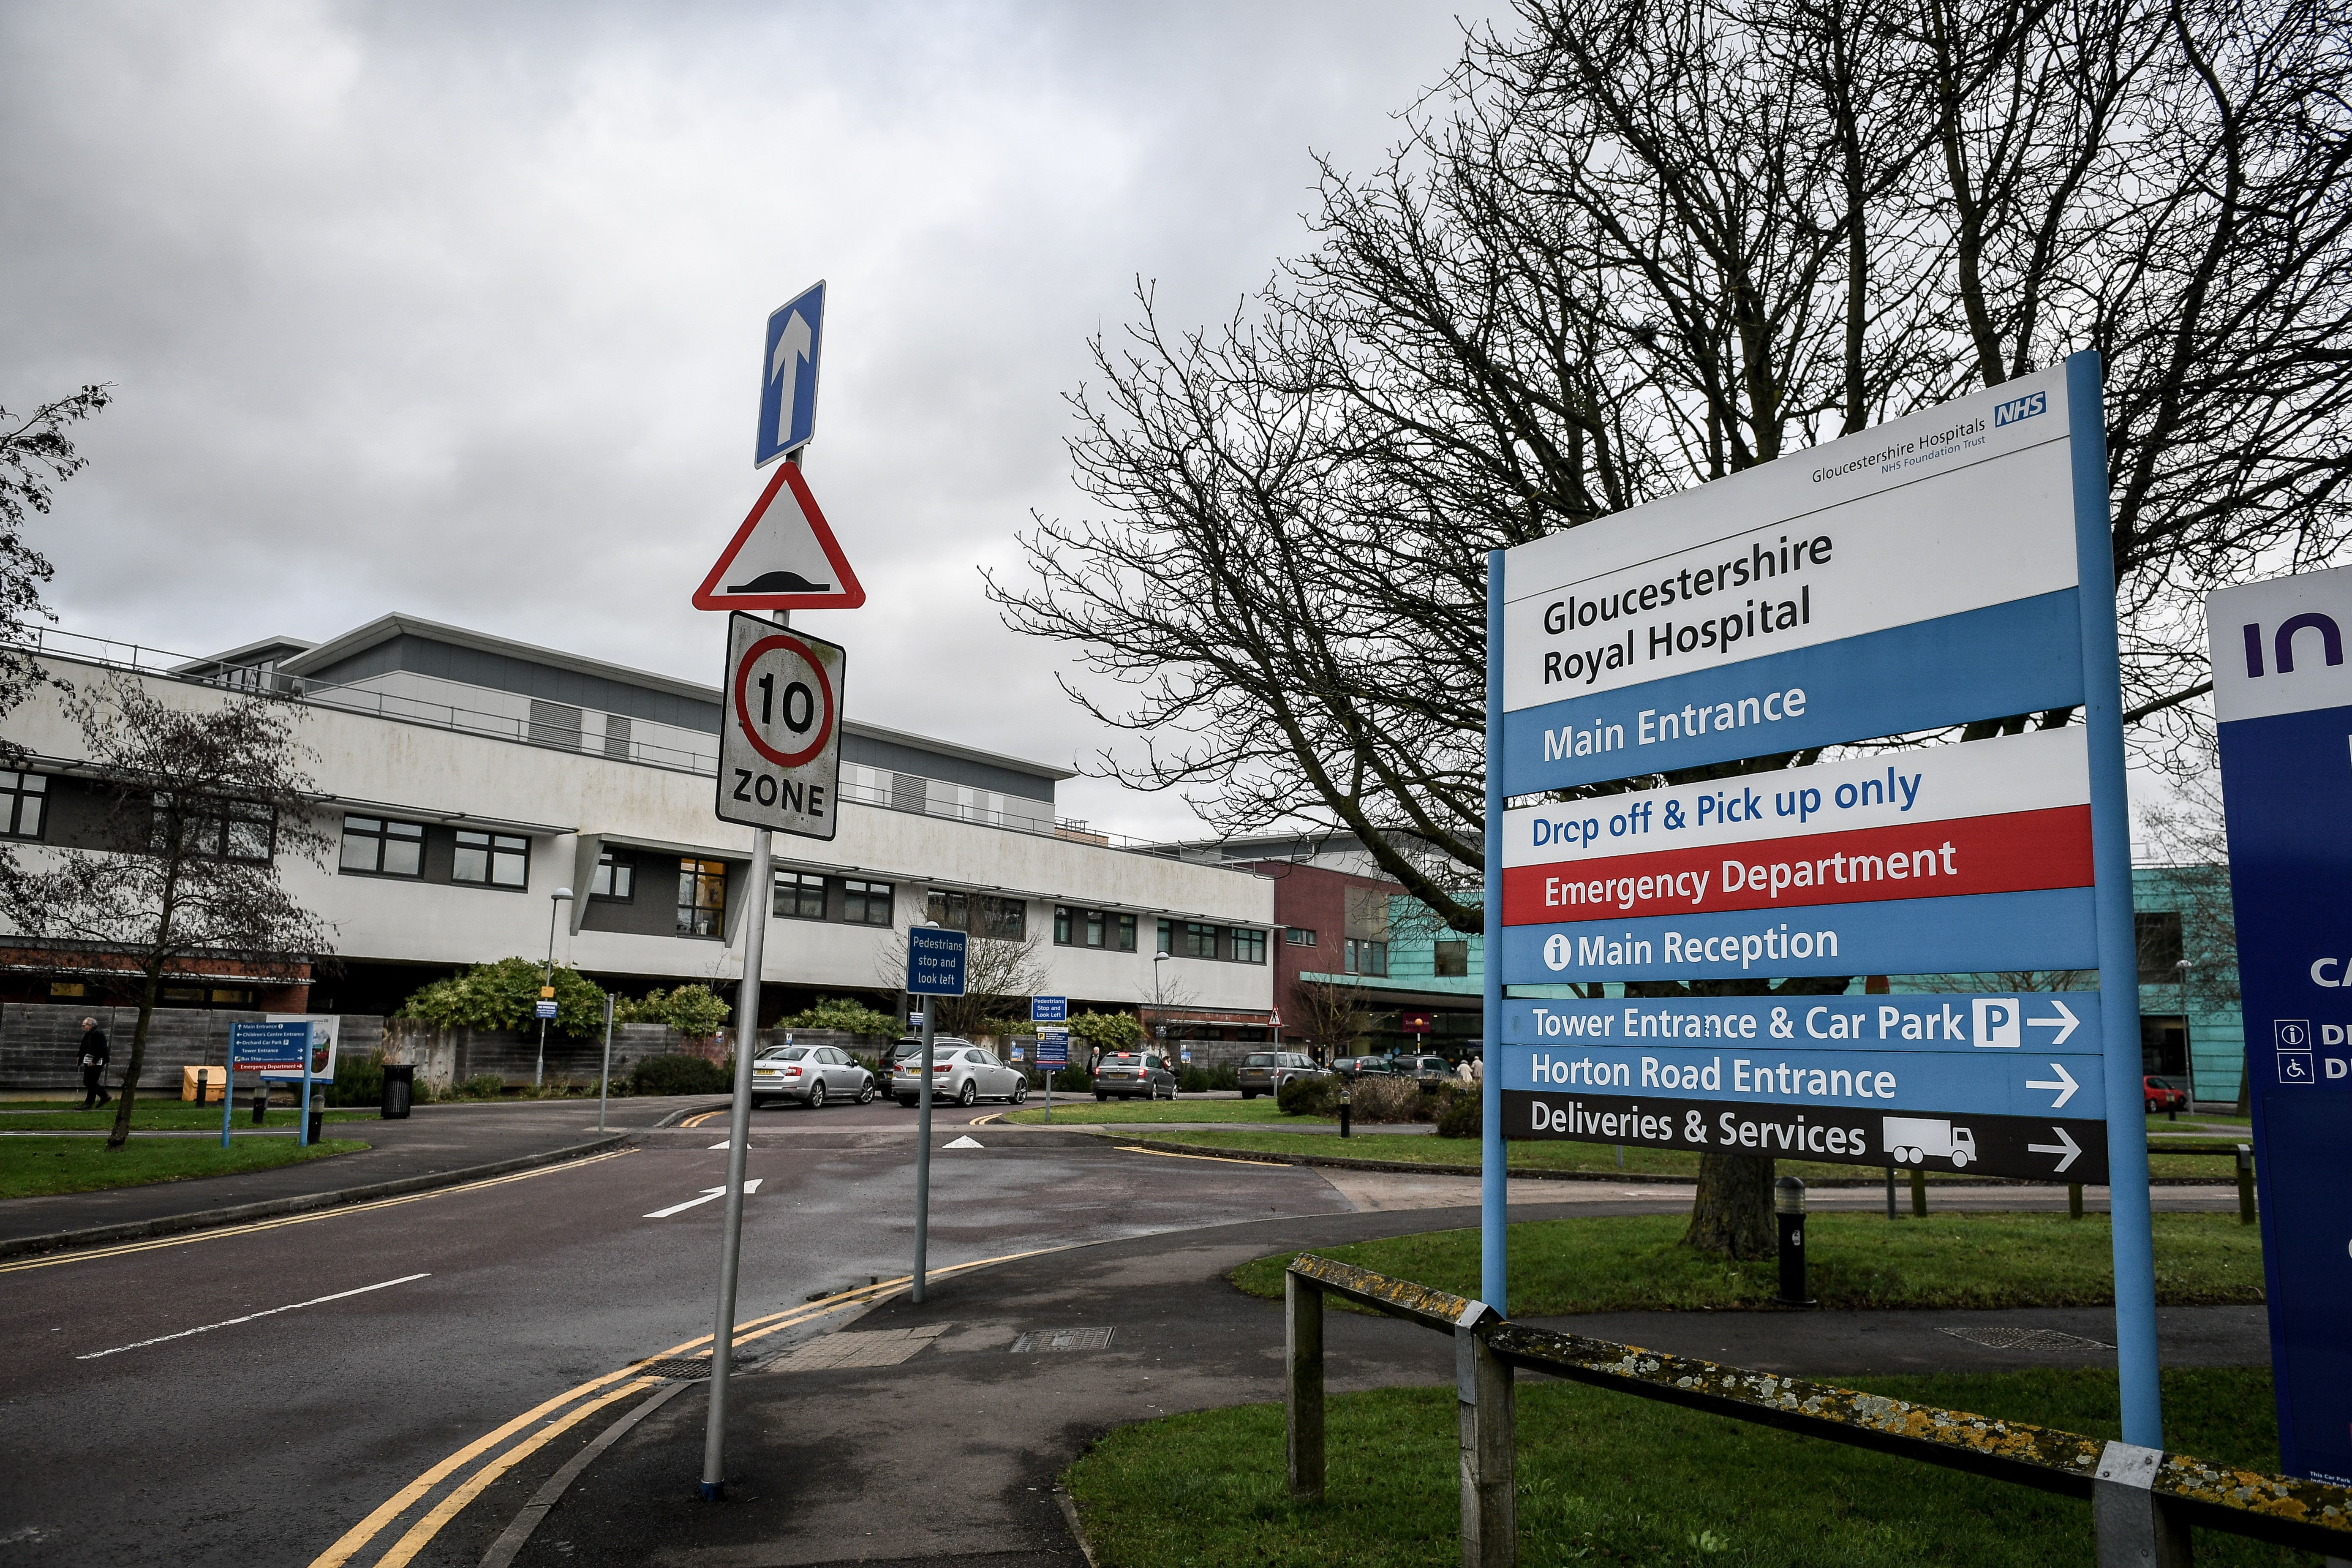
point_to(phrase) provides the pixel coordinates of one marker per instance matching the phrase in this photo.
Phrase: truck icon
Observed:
(1912, 1140)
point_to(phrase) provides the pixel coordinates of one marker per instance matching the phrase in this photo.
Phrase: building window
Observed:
(1094, 928)
(1298, 936)
(2159, 934)
(616, 737)
(1006, 920)
(1452, 958)
(702, 897)
(1123, 933)
(1065, 921)
(219, 830)
(373, 847)
(865, 903)
(952, 910)
(1366, 957)
(1249, 946)
(1098, 927)
(491, 859)
(616, 878)
(800, 895)
(1200, 941)
(68, 990)
(1167, 933)
(23, 797)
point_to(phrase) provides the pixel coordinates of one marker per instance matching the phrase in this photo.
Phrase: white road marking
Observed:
(719, 1145)
(249, 1317)
(750, 1187)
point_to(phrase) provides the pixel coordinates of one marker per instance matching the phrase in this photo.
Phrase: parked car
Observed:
(1426, 1071)
(962, 1073)
(2163, 1094)
(1265, 1072)
(1128, 1074)
(1358, 1067)
(811, 1074)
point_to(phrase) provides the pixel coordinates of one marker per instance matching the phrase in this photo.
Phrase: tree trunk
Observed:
(1732, 1214)
(122, 1133)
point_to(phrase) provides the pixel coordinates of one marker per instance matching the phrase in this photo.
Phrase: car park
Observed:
(962, 1074)
(812, 1075)
(1265, 1072)
(1132, 1073)
(2164, 1094)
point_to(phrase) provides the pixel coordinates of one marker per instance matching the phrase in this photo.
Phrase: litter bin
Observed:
(399, 1085)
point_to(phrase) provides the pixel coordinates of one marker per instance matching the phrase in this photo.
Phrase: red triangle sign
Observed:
(784, 556)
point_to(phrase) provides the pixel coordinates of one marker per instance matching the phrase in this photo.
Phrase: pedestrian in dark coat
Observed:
(95, 1055)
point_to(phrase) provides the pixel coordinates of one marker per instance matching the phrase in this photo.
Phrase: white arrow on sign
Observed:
(791, 347)
(2066, 1146)
(2065, 1085)
(2065, 1023)
(750, 1187)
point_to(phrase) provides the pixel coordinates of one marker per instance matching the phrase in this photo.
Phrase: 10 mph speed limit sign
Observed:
(780, 744)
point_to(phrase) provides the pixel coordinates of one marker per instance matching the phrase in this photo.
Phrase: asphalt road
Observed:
(138, 1432)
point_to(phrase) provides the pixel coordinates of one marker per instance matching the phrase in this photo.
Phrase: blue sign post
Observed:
(1954, 565)
(788, 362)
(935, 967)
(2283, 692)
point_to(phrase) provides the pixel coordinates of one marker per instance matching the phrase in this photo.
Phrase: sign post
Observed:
(935, 967)
(1053, 1056)
(1954, 565)
(1055, 1010)
(2283, 692)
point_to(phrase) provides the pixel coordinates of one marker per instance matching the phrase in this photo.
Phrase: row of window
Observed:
(1193, 939)
(1366, 957)
(981, 914)
(1104, 928)
(801, 895)
(376, 847)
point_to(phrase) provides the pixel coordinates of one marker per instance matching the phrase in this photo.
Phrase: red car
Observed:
(2162, 1096)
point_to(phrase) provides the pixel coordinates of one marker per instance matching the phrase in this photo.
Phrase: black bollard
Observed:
(1347, 1102)
(1788, 1205)
(261, 1103)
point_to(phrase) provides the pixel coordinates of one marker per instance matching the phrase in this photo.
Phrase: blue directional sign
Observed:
(270, 1047)
(935, 961)
(546, 1008)
(2283, 692)
(1049, 1009)
(788, 362)
(1052, 1047)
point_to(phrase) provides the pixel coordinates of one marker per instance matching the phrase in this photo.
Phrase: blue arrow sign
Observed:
(788, 362)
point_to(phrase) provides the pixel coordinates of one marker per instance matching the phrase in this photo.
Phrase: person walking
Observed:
(95, 1055)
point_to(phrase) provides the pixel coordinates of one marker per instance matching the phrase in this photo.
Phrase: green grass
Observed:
(1636, 1263)
(1545, 1155)
(1605, 1477)
(1085, 1110)
(154, 1116)
(31, 1167)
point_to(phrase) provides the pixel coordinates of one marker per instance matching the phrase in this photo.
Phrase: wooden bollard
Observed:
(1302, 1384)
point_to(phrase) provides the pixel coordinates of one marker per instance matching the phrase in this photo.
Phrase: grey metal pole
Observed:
(546, 979)
(605, 1081)
(731, 1243)
(923, 1152)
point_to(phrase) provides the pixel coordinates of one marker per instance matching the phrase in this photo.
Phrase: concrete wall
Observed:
(40, 1044)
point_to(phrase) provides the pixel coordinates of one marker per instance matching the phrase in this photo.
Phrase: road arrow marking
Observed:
(966, 1142)
(2065, 1023)
(791, 347)
(2065, 1085)
(2066, 1146)
(750, 1187)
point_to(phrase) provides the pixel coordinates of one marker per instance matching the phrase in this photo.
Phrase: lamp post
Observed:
(555, 902)
(1158, 995)
(2188, 1041)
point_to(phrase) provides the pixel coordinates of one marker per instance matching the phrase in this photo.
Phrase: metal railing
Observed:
(2143, 1501)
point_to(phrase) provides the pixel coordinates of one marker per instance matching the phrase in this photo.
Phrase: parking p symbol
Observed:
(1996, 1022)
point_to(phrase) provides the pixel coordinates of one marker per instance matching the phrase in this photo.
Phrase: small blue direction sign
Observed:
(1052, 1047)
(935, 962)
(546, 1008)
(1049, 1009)
(788, 360)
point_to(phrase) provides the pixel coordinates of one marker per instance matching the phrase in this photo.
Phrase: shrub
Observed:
(677, 1073)
(1377, 1098)
(1192, 1081)
(693, 1010)
(845, 1014)
(505, 996)
(1308, 1097)
(1223, 1075)
(1458, 1113)
(481, 1086)
(1109, 1031)
(359, 1080)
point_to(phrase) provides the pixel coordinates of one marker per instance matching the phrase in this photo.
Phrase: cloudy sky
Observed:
(456, 310)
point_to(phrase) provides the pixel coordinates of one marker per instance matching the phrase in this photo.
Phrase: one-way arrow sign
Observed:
(2065, 1084)
(784, 557)
(788, 362)
(2064, 1146)
(2065, 1023)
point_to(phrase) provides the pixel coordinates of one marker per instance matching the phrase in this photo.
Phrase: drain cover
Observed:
(1061, 1339)
(2026, 1339)
(680, 1368)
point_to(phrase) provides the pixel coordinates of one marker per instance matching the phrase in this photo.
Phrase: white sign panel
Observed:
(2278, 646)
(780, 739)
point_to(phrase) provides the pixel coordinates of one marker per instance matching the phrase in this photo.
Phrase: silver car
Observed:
(811, 1074)
(961, 1072)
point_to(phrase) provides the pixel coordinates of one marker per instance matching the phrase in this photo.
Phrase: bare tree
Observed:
(1331, 1014)
(35, 455)
(204, 798)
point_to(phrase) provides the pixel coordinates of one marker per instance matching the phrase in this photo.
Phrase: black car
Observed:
(1361, 1067)
(1129, 1074)
(1427, 1071)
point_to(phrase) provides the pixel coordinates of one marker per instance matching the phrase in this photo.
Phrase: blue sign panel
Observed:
(1049, 1009)
(268, 1047)
(788, 361)
(1052, 1047)
(546, 1008)
(935, 961)
(2283, 694)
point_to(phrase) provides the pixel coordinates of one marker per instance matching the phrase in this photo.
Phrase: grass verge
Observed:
(157, 1115)
(1605, 1477)
(1636, 1263)
(33, 1167)
(1086, 1110)
(1534, 1154)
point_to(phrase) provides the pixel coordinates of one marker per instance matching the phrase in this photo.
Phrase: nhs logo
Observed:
(2018, 408)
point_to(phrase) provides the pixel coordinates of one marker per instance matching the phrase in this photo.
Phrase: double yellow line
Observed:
(90, 1254)
(630, 1380)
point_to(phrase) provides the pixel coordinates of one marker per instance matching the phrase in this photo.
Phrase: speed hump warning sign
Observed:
(780, 742)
